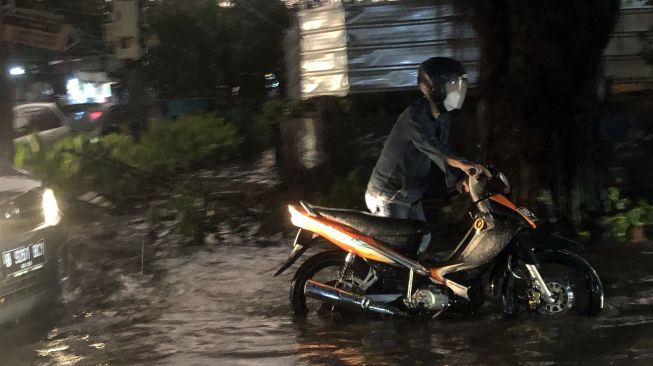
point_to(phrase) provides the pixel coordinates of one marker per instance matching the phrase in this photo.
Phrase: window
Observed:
(117, 116)
(42, 119)
(21, 125)
(34, 119)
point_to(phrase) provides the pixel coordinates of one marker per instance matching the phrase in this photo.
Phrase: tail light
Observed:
(94, 116)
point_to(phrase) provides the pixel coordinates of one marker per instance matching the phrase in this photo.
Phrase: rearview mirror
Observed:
(505, 182)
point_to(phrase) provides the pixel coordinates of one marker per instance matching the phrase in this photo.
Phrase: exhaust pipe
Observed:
(335, 296)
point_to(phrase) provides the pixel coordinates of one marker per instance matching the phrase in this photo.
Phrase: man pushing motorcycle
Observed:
(420, 136)
(373, 263)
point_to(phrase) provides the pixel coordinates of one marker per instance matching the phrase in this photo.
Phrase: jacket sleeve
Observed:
(423, 137)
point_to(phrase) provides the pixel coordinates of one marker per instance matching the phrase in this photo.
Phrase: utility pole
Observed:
(6, 98)
(6, 111)
(124, 36)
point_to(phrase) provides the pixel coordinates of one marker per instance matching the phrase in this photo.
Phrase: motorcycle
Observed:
(373, 265)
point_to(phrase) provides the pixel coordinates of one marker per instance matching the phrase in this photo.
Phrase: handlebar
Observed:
(482, 179)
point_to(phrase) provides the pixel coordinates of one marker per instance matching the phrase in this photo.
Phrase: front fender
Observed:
(529, 242)
(545, 240)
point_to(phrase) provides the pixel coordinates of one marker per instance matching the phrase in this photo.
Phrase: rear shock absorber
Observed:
(349, 260)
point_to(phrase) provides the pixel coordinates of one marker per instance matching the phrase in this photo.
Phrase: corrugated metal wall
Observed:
(387, 42)
(622, 61)
(323, 52)
(371, 47)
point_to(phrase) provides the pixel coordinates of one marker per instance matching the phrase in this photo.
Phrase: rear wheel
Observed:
(573, 283)
(326, 267)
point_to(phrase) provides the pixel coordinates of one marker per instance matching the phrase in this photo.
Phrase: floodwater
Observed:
(163, 302)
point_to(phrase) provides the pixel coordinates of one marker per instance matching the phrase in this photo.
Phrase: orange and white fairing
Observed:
(342, 236)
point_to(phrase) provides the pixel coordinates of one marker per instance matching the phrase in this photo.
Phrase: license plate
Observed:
(21, 260)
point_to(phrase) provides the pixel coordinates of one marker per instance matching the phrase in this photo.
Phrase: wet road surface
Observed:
(218, 304)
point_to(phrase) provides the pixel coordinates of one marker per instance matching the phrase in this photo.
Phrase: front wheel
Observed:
(574, 284)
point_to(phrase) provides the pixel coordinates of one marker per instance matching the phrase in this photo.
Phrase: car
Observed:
(102, 118)
(52, 123)
(44, 119)
(119, 119)
(85, 117)
(34, 257)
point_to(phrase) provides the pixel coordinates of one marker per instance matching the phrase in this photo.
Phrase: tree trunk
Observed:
(138, 100)
(6, 111)
(536, 59)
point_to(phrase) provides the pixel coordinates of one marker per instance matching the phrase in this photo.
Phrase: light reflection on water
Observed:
(222, 305)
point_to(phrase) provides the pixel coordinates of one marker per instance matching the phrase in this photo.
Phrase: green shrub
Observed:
(256, 134)
(123, 170)
(622, 214)
(641, 214)
(267, 121)
(178, 146)
(345, 192)
(273, 111)
(165, 149)
(56, 164)
(297, 108)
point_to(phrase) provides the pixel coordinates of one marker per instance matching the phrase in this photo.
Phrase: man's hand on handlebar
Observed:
(471, 169)
(465, 185)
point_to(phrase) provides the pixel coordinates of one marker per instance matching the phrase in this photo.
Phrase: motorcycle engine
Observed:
(431, 298)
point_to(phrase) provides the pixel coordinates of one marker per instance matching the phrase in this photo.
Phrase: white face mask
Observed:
(456, 92)
(453, 101)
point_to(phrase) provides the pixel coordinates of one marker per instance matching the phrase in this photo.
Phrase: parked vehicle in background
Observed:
(52, 123)
(44, 119)
(118, 119)
(101, 118)
(85, 117)
(34, 256)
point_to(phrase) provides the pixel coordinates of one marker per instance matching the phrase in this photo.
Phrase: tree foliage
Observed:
(205, 47)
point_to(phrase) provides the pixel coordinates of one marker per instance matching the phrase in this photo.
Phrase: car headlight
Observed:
(51, 213)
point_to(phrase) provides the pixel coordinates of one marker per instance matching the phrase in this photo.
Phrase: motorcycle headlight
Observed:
(51, 213)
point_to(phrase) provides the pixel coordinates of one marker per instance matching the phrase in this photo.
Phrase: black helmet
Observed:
(445, 79)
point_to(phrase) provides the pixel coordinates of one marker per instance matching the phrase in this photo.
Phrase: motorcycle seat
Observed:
(369, 224)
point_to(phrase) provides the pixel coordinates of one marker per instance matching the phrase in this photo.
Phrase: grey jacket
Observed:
(403, 169)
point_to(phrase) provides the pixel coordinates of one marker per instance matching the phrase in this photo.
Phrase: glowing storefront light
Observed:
(79, 92)
(74, 92)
